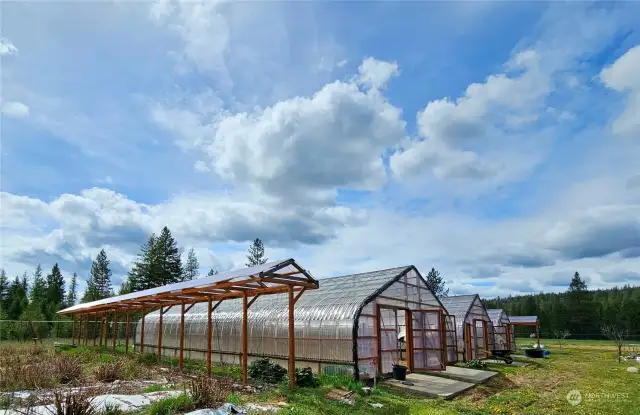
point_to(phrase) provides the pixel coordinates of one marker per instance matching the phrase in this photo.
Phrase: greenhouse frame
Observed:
(246, 285)
(474, 328)
(504, 335)
(353, 324)
(527, 321)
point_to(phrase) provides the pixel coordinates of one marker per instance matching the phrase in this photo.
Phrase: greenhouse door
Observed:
(481, 341)
(428, 341)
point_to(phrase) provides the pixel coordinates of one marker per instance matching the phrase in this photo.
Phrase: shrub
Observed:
(265, 370)
(108, 372)
(305, 378)
(476, 364)
(147, 358)
(170, 406)
(111, 409)
(75, 403)
(209, 392)
(67, 368)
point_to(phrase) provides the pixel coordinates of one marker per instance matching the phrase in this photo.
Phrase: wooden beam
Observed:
(255, 297)
(181, 353)
(292, 342)
(115, 328)
(142, 331)
(160, 334)
(95, 324)
(217, 305)
(190, 307)
(295, 300)
(209, 335)
(126, 332)
(244, 338)
(165, 311)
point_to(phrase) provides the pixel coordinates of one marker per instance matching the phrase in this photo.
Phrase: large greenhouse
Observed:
(474, 329)
(351, 324)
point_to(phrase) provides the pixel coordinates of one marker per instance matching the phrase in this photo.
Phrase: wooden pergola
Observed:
(527, 321)
(248, 284)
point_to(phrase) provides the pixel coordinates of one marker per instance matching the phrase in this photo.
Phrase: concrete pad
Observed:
(465, 374)
(501, 362)
(432, 386)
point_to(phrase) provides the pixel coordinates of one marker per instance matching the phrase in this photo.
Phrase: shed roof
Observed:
(339, 298)
(270, 278)
(523, 320)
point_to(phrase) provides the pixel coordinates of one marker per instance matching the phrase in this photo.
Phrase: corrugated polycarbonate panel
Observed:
(324, 320)
(498, 316)
(523, 319)
(467, 308)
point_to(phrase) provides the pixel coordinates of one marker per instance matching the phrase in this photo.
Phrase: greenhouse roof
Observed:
(523, 320)
(496, 314)
(458, 305)
(339, 298)
(270, 278)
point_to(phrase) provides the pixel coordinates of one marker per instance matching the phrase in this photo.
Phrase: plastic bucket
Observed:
(399, 372)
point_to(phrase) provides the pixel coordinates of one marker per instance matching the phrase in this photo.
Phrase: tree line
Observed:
(38, 298)
(581, 312)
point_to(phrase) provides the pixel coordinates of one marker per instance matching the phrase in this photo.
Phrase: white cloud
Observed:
(624, 76)
(15, 109)
(374, 73)
(7, 48)
(201, 166)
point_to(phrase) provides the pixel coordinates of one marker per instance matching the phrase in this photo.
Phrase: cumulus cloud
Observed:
(374, 73)
(7, 48)
(15, 109)
(624, 76)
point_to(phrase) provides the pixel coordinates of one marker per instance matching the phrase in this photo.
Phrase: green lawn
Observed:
(521, 341)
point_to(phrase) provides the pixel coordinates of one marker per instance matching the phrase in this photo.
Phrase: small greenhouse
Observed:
(527, 321)
(474, 328)
(504, 335)
(351, 324)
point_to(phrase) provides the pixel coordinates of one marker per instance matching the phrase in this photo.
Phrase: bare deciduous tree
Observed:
(617, 335)
(561, 336)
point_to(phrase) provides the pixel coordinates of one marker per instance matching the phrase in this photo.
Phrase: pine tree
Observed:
(139, 277)
(211, 273)
(256, 254)
(192, 268)
(70, 301)
(38, 292)
(99, 284)
(4, 289)
(168, 266)
(436, 283)
(55, 286)
(577, 284)
(17, 300)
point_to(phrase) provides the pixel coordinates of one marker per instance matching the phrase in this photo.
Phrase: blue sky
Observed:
(494, 141)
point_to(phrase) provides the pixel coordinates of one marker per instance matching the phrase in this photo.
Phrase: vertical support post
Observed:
(103, 318)
(538, 333)
(181, 353)
(115, 328)
(160, 334)
(292, 342)
(244, 338)
(95, 324)
(379, 337)
(126, 332)
(86, 330)
(209, 336)
(408, 337)
(73, 330)
(142, 332)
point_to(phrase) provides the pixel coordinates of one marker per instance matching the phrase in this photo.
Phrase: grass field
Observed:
(589, 367)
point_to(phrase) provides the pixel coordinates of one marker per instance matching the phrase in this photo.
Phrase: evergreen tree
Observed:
(125, 288)
(139, 277)
(99, 284)
(55, 287)
(38, 294)
(211, 273)
(436, 283)
(4, 289)
(577, 285)
(71, 299)
(192, 267)
(256, 254)
(168, 266)
(17, 300)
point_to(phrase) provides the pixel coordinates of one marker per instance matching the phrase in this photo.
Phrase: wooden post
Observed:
(95, 323)
(292, 342)
(126, 332)
(244, 338)
(115, 328)
(142, 332)
(209, 336)
(408, 338)
(103, 317)
(73, 330)
(86, 330)
(160, 334)
(538, 333)
(181, 355)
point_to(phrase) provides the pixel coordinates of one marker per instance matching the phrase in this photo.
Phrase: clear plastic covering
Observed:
(324, 323)
(523, 319)
(473, 325)
(502, 329)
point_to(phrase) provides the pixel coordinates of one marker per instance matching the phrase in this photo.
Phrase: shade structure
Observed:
(246, 284)
(504, 335)
(349, 325)
(527, 321)
(474, 328)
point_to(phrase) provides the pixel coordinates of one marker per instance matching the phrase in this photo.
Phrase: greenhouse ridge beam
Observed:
(248, 284)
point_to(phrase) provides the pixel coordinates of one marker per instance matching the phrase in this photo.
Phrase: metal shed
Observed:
(474, 328)
(352, 324)
(504, 335)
